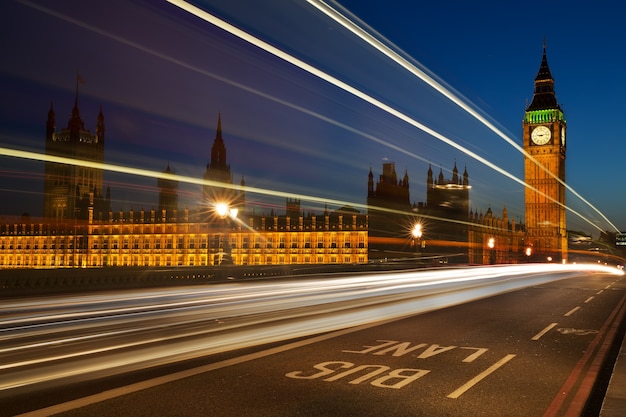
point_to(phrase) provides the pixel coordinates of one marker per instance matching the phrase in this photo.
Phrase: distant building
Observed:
(67, 187)
(444, 215)
(447, 208)
(389, 213)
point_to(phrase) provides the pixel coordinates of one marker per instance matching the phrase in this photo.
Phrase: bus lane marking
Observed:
(383, 376)
(469, 384)
(395, 378)
(544, 331)
(397, 348)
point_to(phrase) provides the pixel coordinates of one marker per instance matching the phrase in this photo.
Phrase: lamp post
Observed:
(224, 212)
(416, 232)
(491, 243)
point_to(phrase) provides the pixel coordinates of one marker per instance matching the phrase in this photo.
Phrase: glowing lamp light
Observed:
(491, 243)
(529, 251)
(417, 231)
(221, 209)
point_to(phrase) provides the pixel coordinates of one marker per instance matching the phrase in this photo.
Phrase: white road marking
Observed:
(589, 299)
(572, 311)
(469, 384)
(544, 331)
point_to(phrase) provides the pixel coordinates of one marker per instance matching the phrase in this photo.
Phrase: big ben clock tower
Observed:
(544, 140)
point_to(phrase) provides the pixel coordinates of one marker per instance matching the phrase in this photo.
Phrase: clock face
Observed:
(540, 135)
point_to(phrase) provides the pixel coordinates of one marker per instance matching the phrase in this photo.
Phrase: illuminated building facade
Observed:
(544, 140)
(146, 239)
(171, 237)
(67, 188)
(495, 240)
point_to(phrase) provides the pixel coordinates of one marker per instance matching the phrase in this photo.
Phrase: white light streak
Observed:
(358, 93)
(412, 68)
(86, 341)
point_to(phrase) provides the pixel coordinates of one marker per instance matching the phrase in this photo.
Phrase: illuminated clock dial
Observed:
(540, 135)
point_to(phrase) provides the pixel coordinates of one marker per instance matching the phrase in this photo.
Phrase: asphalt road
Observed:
(531, 352)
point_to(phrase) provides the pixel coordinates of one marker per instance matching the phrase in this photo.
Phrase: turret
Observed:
(218, 150)
(50, 124)
(455, 174)
(429, 181)
(100, 127)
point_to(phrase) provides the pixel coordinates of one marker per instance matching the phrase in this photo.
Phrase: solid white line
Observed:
(544, 331)
(572, 311)
(469, 384)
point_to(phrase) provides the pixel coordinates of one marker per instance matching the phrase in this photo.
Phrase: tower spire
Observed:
(218, 150)
(76, 123)
(544, 96)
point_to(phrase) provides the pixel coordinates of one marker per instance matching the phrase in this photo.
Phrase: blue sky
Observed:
(162, 76)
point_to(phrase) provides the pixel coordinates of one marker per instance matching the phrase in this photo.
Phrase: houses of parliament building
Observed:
(79, 229)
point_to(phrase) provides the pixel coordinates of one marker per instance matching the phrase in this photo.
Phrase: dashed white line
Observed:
(572, 311)
(544, 331)
(589, 299)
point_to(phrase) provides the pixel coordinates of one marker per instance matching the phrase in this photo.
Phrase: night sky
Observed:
(162, 77)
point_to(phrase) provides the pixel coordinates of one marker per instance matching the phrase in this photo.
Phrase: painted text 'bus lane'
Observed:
(383, 376)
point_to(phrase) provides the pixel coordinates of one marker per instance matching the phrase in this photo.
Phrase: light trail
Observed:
(155, 174)
(294, 61)
(214, 20)
(409, 65)
(213, 319)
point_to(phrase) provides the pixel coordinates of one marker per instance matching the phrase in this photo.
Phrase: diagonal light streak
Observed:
(14, 153)
(413, 69)
(261, 44)
(358, 93)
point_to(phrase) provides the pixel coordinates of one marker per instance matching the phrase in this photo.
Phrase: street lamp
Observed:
(491, 243)
(224, 211)
(416, 232)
